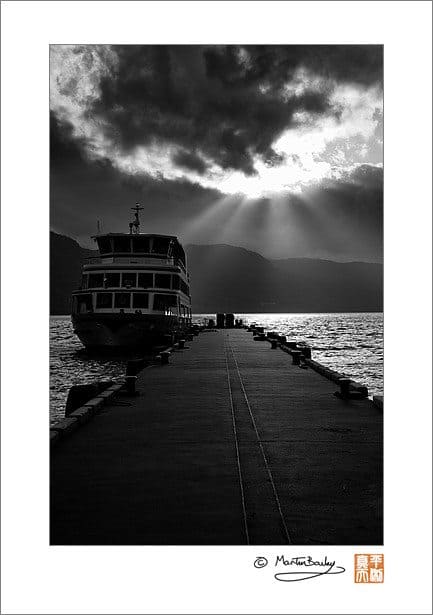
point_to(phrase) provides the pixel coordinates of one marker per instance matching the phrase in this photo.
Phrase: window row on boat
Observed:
(158, 302)
(134, 280)
(141, 244)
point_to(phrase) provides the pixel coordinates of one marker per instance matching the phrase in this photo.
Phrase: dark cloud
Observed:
(351, 210)
(340, 220)
(274, 65)
(367, 176)
(64, 148)
(83, 191)
(226, 104)
(189, 160)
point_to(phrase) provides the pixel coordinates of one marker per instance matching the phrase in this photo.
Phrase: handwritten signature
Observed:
(300, 568)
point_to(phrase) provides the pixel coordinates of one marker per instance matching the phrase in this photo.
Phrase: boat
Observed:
(135, 294)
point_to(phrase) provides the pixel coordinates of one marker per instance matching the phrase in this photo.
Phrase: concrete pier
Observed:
(229, 443)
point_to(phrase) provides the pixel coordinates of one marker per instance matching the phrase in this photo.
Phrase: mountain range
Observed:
(232, 279)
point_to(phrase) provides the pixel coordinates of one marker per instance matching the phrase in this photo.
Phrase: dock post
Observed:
(274, 344)
(181, 344)
(296, 357)
(130, 382)
(165, 356)
(306, 351)
(344, 384)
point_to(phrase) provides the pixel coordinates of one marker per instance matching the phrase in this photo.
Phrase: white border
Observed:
(42, 579)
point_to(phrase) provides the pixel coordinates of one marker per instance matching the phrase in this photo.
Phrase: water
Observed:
(348, 343)
(70, 364)
(351, 344)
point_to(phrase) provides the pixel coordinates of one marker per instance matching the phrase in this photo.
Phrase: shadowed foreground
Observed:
(228, 444)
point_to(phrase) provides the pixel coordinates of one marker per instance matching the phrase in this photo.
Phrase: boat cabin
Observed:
(135, 273)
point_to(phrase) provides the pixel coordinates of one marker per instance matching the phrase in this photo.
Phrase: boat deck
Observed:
(229, 444)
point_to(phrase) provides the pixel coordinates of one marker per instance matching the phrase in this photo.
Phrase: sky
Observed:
(277, 149)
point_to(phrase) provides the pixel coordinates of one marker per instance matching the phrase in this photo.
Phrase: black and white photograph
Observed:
(216, 302)
(216, 294)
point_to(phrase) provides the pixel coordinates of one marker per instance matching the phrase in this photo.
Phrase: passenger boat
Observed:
(135, 293)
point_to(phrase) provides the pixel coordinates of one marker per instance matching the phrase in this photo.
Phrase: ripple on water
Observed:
(69, 365)
(348, 343)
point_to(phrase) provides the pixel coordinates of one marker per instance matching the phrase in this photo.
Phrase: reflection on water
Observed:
(351, 344)
(348, 343)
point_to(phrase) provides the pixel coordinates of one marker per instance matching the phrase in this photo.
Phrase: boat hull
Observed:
(126, 331)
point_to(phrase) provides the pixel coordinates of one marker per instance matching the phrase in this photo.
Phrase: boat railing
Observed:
(133, 260)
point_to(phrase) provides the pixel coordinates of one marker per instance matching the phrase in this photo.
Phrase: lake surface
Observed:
(348, 343)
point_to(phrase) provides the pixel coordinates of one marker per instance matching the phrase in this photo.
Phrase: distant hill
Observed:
(230, 279)
(66, 258)
(329, 286)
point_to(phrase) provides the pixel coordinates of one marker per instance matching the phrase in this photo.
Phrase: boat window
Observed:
(141, 244)
(175, 282)
(84, 303)
(121, 244)
(104, 245)
(122, 300)
(140, 300)
(84, 280)
(145, 280)
(129, 279)
(112, 280)
(163, 302)
(184, 287)
(162, 280)
(160, 245)
(104, 300)
(96, 280)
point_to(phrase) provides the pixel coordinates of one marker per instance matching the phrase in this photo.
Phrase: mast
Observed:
(134, 227)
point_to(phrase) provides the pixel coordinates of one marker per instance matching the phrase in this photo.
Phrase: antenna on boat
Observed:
(134, 227)
(98, 227)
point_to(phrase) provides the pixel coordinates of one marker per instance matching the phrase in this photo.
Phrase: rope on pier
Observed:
(259, 440)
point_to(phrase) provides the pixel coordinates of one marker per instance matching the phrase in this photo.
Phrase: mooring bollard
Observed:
(296, 357)
(274, 344)
(134, 366)
(165, 355)
(306, 351)
(130, 382)
(181, 344)
(344, 384)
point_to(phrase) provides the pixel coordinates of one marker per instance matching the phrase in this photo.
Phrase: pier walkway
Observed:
(229, 444)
